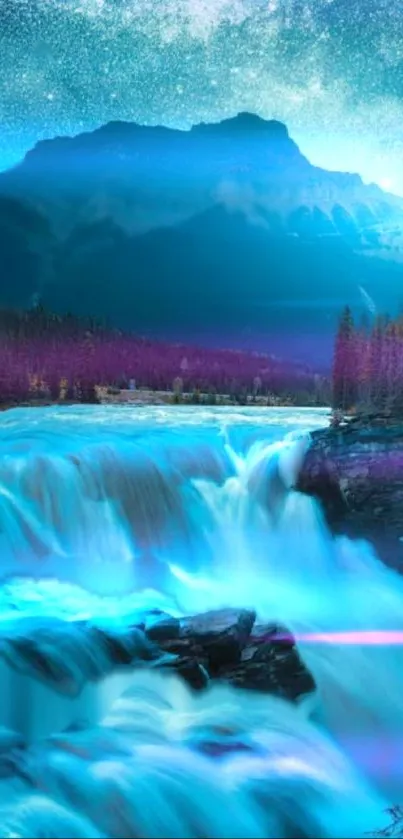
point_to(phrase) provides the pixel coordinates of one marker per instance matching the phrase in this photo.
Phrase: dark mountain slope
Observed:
(26, 252)
(220, 278)
(225, 233)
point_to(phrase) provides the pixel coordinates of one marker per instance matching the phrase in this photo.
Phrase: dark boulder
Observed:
(163, 628)
(356, 472)
(221, 634)
(226, 645)
(192, 669)
(223, 645)
(271, 663)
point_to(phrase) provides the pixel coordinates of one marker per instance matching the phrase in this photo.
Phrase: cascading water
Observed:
(198, 508)
(80, 499)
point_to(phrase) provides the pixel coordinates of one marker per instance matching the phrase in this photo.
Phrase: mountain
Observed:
(225, 233)
(218, 278)
(26, 248)
(145, 177)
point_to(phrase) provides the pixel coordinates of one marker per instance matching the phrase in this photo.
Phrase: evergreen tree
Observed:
(395, 379)
(344, 364)
(363, 371)
(378, 364)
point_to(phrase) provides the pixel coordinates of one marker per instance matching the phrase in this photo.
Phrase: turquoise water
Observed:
(103, 509)
(84, 491)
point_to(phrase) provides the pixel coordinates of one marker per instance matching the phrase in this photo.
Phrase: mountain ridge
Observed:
(241, 161)
(226, 233)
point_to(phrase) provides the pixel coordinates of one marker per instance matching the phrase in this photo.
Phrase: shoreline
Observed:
(143, 397)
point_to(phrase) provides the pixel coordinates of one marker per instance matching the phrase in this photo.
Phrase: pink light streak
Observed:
(361, 637)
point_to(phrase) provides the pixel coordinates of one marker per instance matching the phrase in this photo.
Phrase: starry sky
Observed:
(331, 69)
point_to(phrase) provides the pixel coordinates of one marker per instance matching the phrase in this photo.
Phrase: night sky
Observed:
(331, 69)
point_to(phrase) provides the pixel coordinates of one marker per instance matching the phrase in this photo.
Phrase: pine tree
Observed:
(396, 371)
(378, 365)
(344, 364)
(362, 347)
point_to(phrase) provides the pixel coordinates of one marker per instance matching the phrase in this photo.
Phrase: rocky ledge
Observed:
(356, 471)
(226, 645)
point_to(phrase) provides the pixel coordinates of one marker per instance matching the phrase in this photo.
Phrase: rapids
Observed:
(103, 509)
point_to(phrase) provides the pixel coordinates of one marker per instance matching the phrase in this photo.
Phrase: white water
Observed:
(199, 506)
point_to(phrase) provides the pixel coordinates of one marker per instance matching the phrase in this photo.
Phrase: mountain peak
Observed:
(143, 177)
(245, 123)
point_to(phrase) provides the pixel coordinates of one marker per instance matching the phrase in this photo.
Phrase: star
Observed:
(332, 70)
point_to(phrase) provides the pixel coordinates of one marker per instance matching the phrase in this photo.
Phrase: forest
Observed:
(367, 372)
(64, 357)
(67, 358)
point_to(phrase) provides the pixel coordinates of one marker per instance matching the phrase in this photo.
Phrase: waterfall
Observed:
(196, 511)
(79, 503)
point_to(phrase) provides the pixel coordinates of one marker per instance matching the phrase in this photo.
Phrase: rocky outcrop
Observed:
(356, 472)
(228, 645)
(225, 645)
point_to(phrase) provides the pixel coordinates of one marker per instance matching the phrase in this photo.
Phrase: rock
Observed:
(165, 628)
(222, 634)
(356, 472)
(191, 670)
(230, 622)
(226, 645)
(271, 663)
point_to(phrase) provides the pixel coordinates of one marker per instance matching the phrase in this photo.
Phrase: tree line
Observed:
(67, 357)
(368, 365)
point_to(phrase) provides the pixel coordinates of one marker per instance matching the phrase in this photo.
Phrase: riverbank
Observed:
(146, 396)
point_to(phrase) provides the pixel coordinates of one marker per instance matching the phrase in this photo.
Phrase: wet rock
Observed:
(218, 622)
(224, 644)
(271, 663)
(229, 647)
(165, 628)
(356, 472)
(222, 634)
(192, 670)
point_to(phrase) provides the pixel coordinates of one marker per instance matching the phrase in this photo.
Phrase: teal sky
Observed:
(331, 69)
